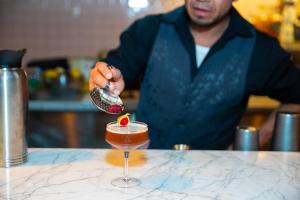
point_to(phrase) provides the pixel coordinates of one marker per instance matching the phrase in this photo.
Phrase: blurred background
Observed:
(64, 38)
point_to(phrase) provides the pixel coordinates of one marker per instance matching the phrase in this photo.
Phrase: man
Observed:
(198, 64)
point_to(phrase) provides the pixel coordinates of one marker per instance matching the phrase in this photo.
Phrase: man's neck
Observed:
(208, 36)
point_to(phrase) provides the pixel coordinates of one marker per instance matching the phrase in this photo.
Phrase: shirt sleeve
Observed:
(283, 82)
(272, 72)
(131, 56)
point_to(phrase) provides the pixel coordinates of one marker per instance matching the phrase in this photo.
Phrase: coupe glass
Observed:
(132, 136)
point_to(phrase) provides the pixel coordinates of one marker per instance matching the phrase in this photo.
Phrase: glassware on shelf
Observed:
(288, 24)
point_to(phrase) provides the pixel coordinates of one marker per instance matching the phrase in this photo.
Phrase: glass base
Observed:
(125, 183)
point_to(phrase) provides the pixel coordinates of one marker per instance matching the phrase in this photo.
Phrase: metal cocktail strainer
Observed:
(105, 101)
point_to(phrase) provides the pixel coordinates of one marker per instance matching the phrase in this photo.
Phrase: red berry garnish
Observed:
(114, 109)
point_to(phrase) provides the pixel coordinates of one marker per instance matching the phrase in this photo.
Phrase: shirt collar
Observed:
(238, 25)
(179, 17)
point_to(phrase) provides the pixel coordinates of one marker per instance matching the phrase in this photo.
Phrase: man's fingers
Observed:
(104, 70)
(97, 79)
(116, 74)
(103, 75)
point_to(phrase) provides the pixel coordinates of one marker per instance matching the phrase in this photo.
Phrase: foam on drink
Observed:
(131, 136)
(129, 129)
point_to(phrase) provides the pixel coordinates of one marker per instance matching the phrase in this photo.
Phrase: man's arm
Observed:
(131, 56)
(124, 64)
(275, 75)
(284, 85)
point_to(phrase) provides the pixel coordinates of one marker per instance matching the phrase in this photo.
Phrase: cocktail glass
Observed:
(130, 137)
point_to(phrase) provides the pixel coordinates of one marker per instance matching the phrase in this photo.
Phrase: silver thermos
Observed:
(13, 108)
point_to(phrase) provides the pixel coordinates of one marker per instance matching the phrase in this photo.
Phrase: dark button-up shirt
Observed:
(271, 71)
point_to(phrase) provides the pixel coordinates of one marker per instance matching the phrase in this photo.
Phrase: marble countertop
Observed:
(79, 174)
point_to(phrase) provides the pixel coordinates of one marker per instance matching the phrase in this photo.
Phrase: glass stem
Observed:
(126, 155)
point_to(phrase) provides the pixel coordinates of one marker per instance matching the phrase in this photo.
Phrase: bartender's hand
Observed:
(103, 74)
(266, 132)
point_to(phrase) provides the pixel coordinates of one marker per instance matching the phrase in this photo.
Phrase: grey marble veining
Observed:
(166, 175)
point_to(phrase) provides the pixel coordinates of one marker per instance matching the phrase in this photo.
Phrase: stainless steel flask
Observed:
(286, 136)
(13, 108)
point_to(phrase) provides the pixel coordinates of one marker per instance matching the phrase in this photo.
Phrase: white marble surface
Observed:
(78, 174)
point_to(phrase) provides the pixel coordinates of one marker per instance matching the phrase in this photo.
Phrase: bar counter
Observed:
(194, 175)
